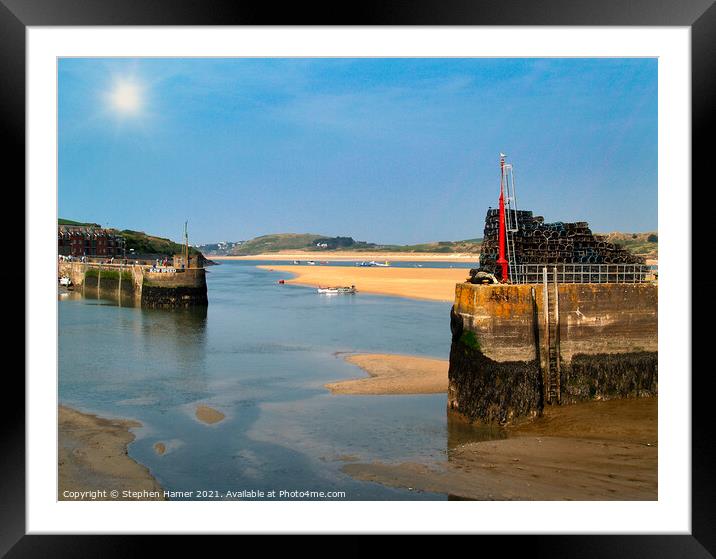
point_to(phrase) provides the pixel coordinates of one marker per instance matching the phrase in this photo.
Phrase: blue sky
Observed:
(384, 150)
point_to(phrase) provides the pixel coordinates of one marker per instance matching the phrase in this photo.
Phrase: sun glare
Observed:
(126, 97)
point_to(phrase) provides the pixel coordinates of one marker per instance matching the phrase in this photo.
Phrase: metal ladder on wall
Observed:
(550, 302)
(511, 226)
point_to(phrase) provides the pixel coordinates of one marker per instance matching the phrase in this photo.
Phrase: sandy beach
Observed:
(93, 458)
(359, 256)
(592, 451)
(394, 374)
(434, 284)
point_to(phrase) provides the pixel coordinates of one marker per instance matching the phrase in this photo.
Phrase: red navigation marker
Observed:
(501, 261)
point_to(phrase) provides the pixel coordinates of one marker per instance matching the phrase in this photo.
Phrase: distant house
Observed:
(78, 240)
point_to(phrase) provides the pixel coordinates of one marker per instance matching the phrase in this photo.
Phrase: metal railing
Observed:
(584, 273)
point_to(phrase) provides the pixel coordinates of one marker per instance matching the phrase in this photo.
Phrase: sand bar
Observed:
(394, 374)
(92, 456)
(593, 451)
(208, 415)
(359, 256)
(434, 284)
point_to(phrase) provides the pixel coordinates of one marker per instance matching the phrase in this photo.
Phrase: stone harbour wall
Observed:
(607, 347)
(180, 289)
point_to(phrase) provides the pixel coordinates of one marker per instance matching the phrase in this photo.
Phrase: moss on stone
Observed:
(469, 339)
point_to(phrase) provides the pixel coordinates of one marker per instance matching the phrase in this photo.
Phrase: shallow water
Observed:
(260, 354)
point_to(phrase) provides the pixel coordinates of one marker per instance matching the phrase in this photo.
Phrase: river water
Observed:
(260, 353)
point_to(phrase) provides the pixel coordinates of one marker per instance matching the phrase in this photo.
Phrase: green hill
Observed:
(61, 221)
(296, 241)
(149, 244)
(643, 244)
(322, 243)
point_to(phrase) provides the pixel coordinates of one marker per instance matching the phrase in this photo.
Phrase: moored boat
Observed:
(337, 290)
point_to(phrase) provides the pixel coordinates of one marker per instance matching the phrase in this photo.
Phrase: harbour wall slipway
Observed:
(517, 348)
(143, 285)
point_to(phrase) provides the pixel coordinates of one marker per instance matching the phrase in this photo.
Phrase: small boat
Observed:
(337, 290)
(296, 261)
(282, 281)
(65, 281)
(374, 263)
(311, 263)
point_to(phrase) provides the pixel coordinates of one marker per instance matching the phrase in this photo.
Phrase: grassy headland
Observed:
(322, 244)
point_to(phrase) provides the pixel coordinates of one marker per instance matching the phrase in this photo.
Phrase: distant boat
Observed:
(296, 261)
(337, 290)
(65, 281)
(311, 263)
(382, 264)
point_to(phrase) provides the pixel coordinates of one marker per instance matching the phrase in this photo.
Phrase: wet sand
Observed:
(93, 457)
(434, 284)
(394, 374)
(208, 415)
(359, 256)
(591, 451)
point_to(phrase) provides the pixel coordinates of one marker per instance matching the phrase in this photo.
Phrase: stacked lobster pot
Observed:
(538, 243)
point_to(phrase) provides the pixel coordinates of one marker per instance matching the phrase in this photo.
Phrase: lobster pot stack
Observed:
(537, 242)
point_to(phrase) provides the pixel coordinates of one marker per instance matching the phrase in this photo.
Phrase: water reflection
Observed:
(125, 297)
(147, 357)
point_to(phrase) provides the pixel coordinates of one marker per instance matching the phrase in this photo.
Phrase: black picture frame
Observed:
(699, 15)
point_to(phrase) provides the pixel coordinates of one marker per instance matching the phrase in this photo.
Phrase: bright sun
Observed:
(126, 97)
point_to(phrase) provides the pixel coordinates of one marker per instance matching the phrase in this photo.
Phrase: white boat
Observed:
(382, 264)
(65, 281)
(311, 263)
(337, 290)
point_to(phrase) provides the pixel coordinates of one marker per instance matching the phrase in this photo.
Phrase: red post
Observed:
(501, 261)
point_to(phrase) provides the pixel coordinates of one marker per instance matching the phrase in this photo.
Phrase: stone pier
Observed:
(153, 289)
